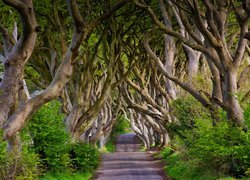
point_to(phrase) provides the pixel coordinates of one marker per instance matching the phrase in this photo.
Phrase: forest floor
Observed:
(128, 163)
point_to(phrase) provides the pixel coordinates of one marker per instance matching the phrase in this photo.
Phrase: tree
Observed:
(82, 29)
(16, 56)
(222, 57)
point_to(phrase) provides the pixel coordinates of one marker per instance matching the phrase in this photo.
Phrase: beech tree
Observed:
(145, 96)
(212, 19)
(82, 28)
(145, 56)
(16, 56)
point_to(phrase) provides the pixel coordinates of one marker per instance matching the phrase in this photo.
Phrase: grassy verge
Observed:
(182, 169)
(77, 176)
(110, 145)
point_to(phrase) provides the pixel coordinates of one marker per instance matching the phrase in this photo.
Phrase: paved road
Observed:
(129, 164)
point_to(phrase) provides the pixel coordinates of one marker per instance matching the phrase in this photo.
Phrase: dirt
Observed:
(127, 163)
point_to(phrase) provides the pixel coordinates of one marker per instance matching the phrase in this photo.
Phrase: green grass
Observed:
(181, 169)
(110, 145)
(77, 176)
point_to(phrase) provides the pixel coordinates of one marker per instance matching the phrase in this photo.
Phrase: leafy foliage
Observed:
(222, 148)
(56, 151)
(12, 15)
(179, 168)
(84, 157)
(187, 110)
(51, 141)
(121, 125)
(18, 165)
(247, 115)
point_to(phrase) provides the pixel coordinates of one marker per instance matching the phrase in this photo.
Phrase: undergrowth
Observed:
(200, 150)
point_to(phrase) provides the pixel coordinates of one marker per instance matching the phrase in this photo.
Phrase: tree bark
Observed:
(235, 113)
(64, 72)
(17, 57)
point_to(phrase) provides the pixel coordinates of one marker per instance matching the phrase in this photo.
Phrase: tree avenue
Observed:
(159, 65)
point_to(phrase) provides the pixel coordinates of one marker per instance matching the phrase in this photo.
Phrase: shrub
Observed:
(47, 147)
(84, 157)
(187, 111)
(57, 153)
(247, 115)
(224, 148)
(178, 167)
(110, 145)
(166, 152)
(18, 165)
(50, 140)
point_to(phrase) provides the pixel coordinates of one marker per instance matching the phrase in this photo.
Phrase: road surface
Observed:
(127, 163)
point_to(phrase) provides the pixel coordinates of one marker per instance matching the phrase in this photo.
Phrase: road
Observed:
(127, 163)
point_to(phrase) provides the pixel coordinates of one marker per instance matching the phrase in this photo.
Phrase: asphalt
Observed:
(127, 163)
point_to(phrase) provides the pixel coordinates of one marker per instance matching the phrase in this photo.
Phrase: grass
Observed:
(181, 169)
(110, 145)
(77, 176)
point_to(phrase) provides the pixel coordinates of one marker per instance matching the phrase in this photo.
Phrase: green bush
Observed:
(187, 111)
(224, 148)
(110, 145)
(247, 115)
(18, 164)
(179, 167)
(166, 152)
(84, 157)
(47, 148)
(221, 148)
(53, 144)
(50, 140)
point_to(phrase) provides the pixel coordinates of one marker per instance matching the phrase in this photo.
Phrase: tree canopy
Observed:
(104, 59)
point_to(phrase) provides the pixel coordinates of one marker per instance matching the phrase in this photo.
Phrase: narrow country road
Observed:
(129, 164)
